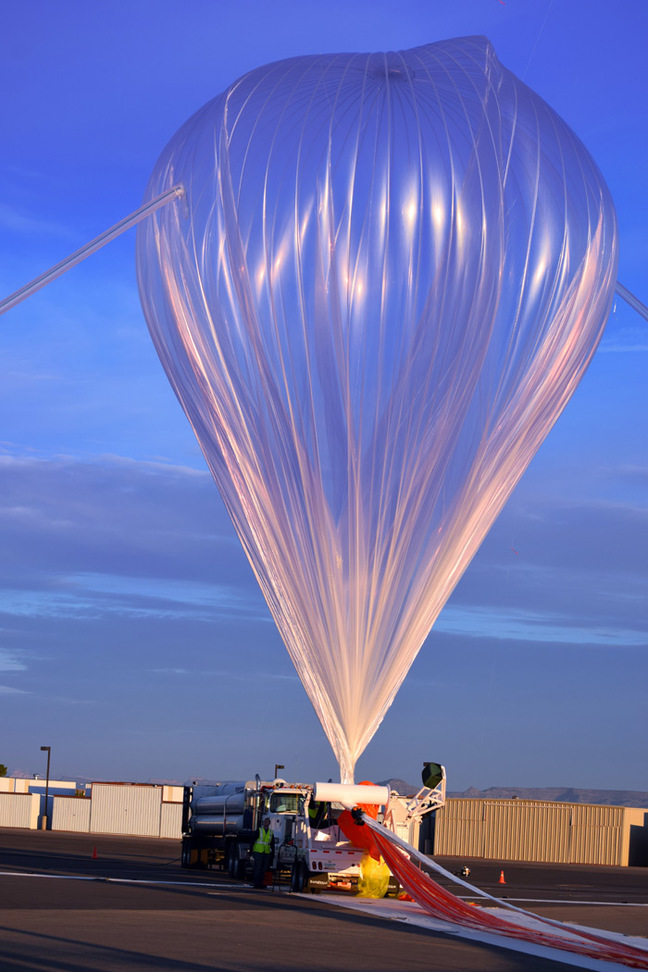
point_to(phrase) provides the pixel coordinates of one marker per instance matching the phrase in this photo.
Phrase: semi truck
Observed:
(220, 821)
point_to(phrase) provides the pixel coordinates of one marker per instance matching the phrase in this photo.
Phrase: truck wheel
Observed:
(239, 864)
(298, 877)
(235, 863)
(185, 859)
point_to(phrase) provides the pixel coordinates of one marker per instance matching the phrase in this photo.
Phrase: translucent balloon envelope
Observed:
(389, 276)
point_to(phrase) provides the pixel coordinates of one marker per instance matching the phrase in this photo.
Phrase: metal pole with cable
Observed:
(44, 818)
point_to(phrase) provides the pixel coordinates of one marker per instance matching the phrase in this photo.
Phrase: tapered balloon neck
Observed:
(347, 771)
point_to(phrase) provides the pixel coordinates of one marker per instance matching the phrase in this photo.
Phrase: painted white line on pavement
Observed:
(574, 901)
(115, 880)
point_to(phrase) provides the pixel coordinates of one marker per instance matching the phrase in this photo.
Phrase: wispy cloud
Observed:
(622, 337)
(28, 460)
(511, 625)
(11, 661)
(246, 676)
(624, 347)
(20, 221)
(93, 596)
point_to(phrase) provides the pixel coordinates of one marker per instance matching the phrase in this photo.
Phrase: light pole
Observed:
(48, 750)
(278, 766)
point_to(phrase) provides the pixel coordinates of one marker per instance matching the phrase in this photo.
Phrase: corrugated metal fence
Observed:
(71, 813)
(19, 810)
(138, 810)
(122, 808)
(526, 830)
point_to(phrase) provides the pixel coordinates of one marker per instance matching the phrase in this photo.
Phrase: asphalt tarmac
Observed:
(80, 903)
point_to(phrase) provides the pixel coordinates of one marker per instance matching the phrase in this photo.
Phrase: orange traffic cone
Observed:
(501, 878)
(94, 854)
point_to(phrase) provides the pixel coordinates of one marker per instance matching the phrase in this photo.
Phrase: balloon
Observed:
(389, 276)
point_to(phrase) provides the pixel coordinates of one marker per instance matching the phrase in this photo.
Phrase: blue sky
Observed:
(133, 637)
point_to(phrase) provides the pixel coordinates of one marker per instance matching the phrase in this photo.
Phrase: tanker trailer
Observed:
(219, 821)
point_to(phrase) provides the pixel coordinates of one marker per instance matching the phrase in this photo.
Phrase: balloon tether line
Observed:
(631, 300)
(106, 237)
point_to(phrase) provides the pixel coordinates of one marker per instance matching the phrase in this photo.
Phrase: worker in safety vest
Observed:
(262, 852)
(316, 814)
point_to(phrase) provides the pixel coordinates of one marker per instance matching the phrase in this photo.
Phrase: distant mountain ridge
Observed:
(553, 794)
(558, 794)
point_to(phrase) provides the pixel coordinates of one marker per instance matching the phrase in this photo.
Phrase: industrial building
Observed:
(542, 831)
(138, 809)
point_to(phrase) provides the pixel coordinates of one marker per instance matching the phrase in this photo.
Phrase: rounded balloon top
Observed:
(390, 274)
